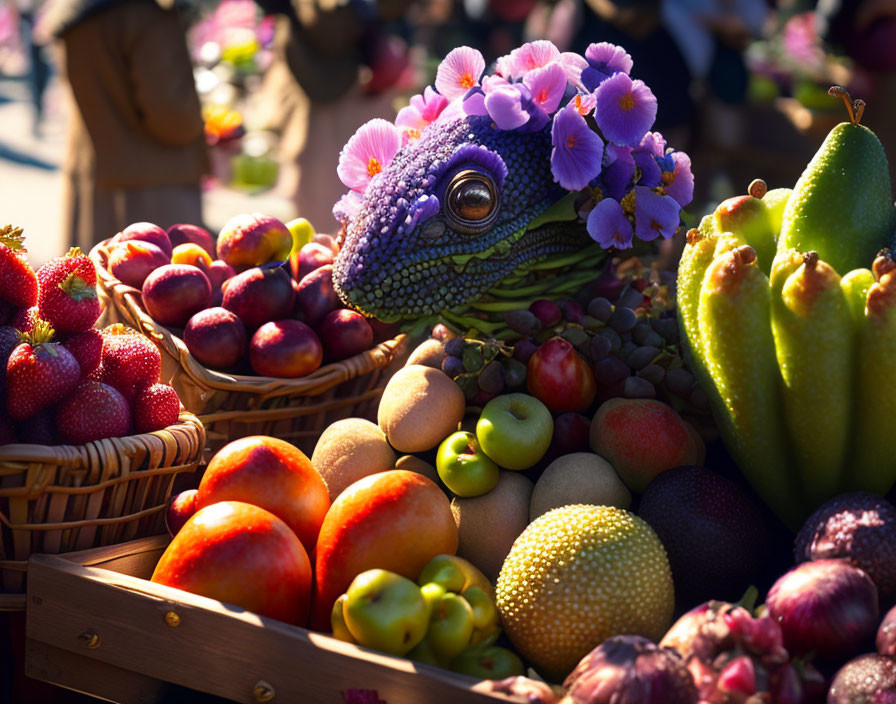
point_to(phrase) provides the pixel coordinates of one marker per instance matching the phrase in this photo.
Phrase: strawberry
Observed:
(68, 298)
(23, 319)
(155, 407)
(130, 362)
(87, 348)
(18, 283)
(93, 411)
(39, 373)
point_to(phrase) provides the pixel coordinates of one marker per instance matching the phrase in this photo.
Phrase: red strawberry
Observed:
(18, 283)
(155, 407)
(93, 411)
(39, 373)
(23, 319)
(68, 298)
(130, 362)
(87, 348)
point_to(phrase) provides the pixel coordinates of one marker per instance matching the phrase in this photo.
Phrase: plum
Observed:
(184, 232)
(216, 338)
(308, 258)
(344, 333)
(174, 292)
(285, 348)
(260, 295)
(146, 232)
(315, 296)
(132, 261)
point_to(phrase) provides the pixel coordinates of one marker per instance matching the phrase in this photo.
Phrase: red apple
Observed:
(183, 232)
(344, 333)
(132, 261)
(174, 292)
(259, 295)
(146, 232)
(252, 240)
(243, 555)
(285, 348)
(216, 338)
(315, 296)
(308, 258)
(560, 378)
(180, 508)
(270, 473)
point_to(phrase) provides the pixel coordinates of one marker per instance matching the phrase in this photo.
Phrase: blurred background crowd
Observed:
(115, 111)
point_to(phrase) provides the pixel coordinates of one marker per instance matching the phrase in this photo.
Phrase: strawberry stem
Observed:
(76, 287)
(73, 252)
(41, 332)
(12, 237)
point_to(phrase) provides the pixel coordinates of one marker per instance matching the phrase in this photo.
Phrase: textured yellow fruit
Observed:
(578, 575)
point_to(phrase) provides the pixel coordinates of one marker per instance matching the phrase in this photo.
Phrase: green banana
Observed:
(733, 325)
(873, 459)
(814, 343)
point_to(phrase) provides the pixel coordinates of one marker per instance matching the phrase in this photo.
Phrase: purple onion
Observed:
(826, 607)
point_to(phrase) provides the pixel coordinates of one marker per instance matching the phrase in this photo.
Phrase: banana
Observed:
(815, 345)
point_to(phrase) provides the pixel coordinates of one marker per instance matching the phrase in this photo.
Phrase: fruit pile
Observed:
(61, 380)
(790, 335)
(264, 306)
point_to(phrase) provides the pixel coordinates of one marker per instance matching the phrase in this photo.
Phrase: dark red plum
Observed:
(315, 296)
(174, 292)
(216, 338)
(344, 333)
(308, 258)
(260, 295)
(180, 508)
(182, 233)
(285, 348)
(146, 232)
(132, 261)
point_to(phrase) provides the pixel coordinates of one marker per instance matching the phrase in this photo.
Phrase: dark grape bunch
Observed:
(623, 324)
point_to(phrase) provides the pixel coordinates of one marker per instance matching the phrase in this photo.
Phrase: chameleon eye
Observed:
(472, 202)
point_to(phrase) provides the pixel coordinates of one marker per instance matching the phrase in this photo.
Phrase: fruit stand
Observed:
(482, 444)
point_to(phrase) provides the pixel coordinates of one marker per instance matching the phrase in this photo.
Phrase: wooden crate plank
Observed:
(217, 648)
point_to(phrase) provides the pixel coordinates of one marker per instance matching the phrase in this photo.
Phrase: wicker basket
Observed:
(232, 406)
(56, 499)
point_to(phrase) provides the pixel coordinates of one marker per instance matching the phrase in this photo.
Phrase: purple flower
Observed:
(655, 143)
(546, 85)
(651, 174)
(576, 157)
(459, 71)
(608, 225)
(618, 172)
(368, 152)
(679, 183)
(604, 60)
(527, 58)
(347, 208)
(474, 100)
(625, 109)
(505, 106)
(655, 215)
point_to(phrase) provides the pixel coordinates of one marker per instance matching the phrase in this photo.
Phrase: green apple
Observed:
(302, 233)
(488, 663)
(450, 627)
(464, 467)
(485, 615)
(423, 653)
(455, 574)
(515, 430)
(432, 592)
(385, 611)
(337, 621)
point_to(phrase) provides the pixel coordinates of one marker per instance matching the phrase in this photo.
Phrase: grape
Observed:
(547, 312)
(679, 381)
(472, 357)
(654, 373)
(491, 378)
(468, 384)
(524, 349)
(699, 399)
(640, 357)
(623, 319)
(643, 334)
(575, 336)
(613, 337)
(599, 347)
(522, 321)
(514, 373)
(610, 370)
(636, 387)
(627, 348)
(452, 366)
(572, 312)
(630, 298)
(455, 347)
(667, 328)
(601, 309)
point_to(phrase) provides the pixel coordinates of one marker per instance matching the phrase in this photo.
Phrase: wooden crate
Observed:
(95, 624)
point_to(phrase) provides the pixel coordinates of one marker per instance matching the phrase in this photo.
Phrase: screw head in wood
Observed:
(90, 639)
(263, 691)
(172, 619)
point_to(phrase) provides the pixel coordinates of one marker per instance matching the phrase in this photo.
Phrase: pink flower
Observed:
(369, 151)
(547, 85)
(459, 71)
(527, 58)
(424, 109)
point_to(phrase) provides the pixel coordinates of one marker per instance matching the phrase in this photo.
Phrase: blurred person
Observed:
(135, 144)
(335, 68)
(27, 12)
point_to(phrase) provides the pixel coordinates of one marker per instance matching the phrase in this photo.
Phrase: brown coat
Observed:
(136, 134)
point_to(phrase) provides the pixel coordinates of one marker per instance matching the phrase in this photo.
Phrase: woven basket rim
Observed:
(321, 379)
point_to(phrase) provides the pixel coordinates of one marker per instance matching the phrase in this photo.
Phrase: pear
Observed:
(842, 205)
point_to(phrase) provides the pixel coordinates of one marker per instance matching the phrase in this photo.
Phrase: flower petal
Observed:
(347, 208)
(655, 215)
(430, 104)
(608, 225)
(577, 153)
(651, 174)
(459, 71)
(368, 152)
(505, 107)
(604, 60)
(680, 183)
(617, 174)
(530, 56)
(573, 64)
(625, 109)
(546, 85)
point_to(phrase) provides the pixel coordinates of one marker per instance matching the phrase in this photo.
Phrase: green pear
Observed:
(450, 627)
(337, 621)
(842, 205)
(385, 611)
(489, 663)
